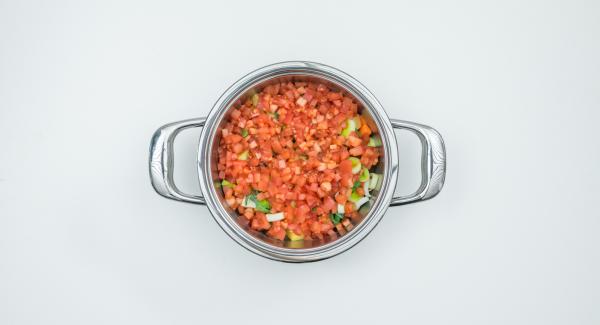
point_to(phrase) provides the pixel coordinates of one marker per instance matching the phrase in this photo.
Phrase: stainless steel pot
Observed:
(161, 162)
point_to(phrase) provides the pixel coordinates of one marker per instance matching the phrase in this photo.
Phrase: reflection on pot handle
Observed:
(433, 162)
(161, 160)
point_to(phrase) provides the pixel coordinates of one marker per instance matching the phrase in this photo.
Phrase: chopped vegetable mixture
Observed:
(295, 160)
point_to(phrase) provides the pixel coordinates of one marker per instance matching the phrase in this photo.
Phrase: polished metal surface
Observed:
(433, 162)
(161, 159)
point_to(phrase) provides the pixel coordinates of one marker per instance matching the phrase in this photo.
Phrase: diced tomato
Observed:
(346, 180)
(260, 222)
(276, 146)
(315, 227)
(297, 159)
(302, 210)
(235, 114)
(354, 141)
(345, 167)
(356, 151)
(237, 147)
(329, 204)
(349, 207)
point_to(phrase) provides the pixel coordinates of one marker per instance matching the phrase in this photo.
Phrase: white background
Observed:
(513, 86)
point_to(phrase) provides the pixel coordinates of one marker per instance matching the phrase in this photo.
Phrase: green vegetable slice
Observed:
(244, 155)
(374, 141)
(350, 126)
(360, 202)
(244, 133)
(357, 123)
(364, 175)
(356, 165)
(293, 236)
(354, 197)
(227, 183)
(263, 206)
(336, 217)
(259, 205)
(274, 115)
(272, 217)
(374, 181)
(248, 203)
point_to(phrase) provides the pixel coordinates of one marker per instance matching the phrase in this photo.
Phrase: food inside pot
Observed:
(297, 161)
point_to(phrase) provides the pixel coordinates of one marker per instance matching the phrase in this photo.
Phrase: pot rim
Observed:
(343, 243)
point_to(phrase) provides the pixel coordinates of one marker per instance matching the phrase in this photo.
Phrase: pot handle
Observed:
(433, 162)
(161, 160)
